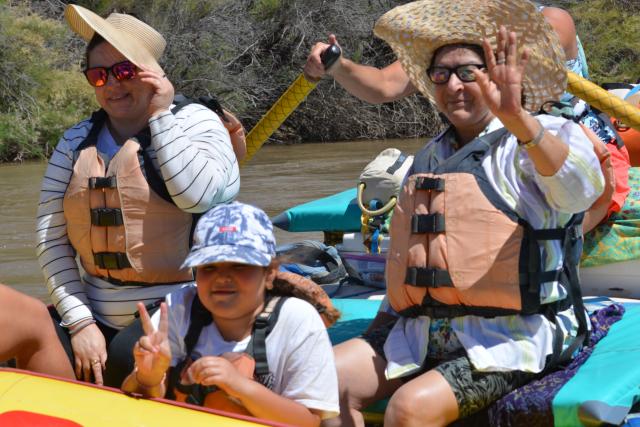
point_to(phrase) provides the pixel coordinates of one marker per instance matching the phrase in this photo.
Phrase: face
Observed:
(461, 102)
(231, 290)
(121, 99)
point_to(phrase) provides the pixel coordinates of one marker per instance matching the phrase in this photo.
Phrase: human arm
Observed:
(192, 151)
(255, 397)
(56, 257)
(367, 83)
(152, 355)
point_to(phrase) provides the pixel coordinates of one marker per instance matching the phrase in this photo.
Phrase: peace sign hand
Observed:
(502, 86)
(152, 352)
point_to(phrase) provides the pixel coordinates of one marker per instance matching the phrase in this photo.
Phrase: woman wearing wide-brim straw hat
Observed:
(120, 191)
(467, 331)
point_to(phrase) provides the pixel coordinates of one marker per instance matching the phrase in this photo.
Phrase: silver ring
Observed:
(500, 61)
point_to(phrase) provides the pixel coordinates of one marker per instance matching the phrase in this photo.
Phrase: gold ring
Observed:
(95, 361)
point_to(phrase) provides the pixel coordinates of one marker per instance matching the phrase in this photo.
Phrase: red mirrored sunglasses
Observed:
(97, 76)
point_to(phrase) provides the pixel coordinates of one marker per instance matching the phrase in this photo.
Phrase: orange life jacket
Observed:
(122, 229)
(457, 248)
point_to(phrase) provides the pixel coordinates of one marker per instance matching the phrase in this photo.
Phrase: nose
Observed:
(454, 84)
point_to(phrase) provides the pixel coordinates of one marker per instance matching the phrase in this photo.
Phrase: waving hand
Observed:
(152, 352)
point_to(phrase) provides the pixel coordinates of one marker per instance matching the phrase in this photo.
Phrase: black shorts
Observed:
(474, 390)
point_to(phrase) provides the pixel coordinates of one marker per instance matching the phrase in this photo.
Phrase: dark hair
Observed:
(95, 41)
(472, 47)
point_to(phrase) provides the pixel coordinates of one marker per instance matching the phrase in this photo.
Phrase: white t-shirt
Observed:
(299, 351)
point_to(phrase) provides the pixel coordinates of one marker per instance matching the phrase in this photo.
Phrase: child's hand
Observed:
(219, 371)
(152, 352)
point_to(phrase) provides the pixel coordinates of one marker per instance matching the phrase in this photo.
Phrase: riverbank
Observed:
(247, 52)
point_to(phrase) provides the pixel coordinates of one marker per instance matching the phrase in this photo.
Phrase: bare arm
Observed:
(367, 83)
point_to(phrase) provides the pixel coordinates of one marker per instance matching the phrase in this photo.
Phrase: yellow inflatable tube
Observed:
(38, 400)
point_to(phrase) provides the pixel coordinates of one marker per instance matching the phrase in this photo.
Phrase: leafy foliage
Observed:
(247, 52)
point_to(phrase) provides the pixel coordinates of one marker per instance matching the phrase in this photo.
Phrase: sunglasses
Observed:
(97, 76)
(440, 75)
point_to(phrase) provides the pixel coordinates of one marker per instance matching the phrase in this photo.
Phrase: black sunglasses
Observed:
(97, 76)
(440, 75)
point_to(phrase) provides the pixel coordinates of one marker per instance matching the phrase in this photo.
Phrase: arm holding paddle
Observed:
(367, 83)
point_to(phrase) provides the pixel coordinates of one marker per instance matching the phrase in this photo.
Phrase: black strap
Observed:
(430, 223)
(430, 184)
(261, 328)
(106, 217)
(428, 278)
(111, 260)
(397, 164)
(100, 182)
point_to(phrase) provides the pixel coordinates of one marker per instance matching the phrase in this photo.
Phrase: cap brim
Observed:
(227, 253)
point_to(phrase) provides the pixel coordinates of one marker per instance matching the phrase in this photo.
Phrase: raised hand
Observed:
(313, 68)
(163, 91)
(501, 87)
(152, 352)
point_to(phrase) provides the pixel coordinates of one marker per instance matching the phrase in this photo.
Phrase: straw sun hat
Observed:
(134, 39)
(416, 30)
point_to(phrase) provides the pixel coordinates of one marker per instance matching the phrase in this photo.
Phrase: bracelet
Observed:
(80, 326)
(536, 139)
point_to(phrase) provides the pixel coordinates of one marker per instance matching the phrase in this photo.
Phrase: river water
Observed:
(278, 177)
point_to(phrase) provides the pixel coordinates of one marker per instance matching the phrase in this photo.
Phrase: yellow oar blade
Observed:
(277, 114)
(603, 100)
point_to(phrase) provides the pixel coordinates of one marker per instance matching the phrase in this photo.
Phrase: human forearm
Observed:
(155, 388)
(372, 84)
(264, 403)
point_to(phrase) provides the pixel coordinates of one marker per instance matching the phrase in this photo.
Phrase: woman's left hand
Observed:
(163, 92)
(501, 87)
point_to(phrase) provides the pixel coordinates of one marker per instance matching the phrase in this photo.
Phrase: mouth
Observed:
(117, 98)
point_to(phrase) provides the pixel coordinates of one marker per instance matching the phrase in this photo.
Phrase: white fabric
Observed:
(514, 342)
(299, 352)
(191, 150)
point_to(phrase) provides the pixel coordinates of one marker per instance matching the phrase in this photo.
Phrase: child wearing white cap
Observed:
(233, 255)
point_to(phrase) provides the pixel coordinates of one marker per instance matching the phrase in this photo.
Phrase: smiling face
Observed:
(461, 102)
(231, 290)
(124, 100)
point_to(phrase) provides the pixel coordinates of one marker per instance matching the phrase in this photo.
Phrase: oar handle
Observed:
(330, 56)
(603, 100)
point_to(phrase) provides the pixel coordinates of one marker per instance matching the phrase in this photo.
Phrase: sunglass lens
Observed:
(439, 75)
(124, 71)
(96, 76)
(466, 73)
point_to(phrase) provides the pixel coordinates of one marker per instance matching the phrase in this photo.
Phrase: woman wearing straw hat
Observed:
(120, 191)
(482, 265)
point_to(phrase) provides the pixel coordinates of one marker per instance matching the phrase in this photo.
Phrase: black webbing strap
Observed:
(428, 278)
(430, 184)
(536, 278)
(106, 217)
(427, 223)
(397, 164)
(100, 182)
(111, 260)
(261, 327)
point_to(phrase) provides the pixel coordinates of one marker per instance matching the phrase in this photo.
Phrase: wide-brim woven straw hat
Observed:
(137, 41)
(416, 30)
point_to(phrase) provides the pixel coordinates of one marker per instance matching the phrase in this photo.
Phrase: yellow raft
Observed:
(29, 399)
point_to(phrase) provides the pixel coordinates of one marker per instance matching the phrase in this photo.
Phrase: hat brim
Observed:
(227, 253)
(85, 23)
(416, 30)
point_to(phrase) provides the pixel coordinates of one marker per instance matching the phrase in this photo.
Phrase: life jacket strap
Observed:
(101, 182)
(428, 278)
(111, 260)
(106, 217)
(429, 223)
(430, 184)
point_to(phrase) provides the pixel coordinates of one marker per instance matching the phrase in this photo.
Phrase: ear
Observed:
(270, 276)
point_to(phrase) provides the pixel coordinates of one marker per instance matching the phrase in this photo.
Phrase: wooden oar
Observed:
(289, 101)
(603, 100)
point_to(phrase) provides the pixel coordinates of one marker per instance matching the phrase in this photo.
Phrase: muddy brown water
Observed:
(277, 178)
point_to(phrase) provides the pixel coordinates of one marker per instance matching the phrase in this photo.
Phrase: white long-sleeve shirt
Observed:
(190, 150)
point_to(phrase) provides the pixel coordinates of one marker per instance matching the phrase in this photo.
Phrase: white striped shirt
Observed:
(191, 151)
(514, 342)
